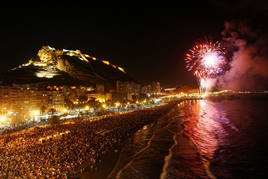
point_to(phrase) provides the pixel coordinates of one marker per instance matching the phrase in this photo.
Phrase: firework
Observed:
(207, 60)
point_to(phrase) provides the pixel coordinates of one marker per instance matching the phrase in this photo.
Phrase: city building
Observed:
(56, 99)
(22, 100)
(127, 87)
(153, 88)
(125, 90)
(156, 87)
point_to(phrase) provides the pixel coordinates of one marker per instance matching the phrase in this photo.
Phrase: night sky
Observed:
(149, 43)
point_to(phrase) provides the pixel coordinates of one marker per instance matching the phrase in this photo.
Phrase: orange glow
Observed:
(117, 104)
(100, 99)
(3, 118)
(104, 105)
(106, 62)
(121, 69)
(64, 110)
(35, 112)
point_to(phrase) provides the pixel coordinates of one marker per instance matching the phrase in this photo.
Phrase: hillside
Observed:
(65, 67)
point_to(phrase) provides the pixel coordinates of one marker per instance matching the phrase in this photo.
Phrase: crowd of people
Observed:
(24, 155)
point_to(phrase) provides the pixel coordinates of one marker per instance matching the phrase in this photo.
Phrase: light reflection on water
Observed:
(201, 139)
(225, 134)
(204, 125)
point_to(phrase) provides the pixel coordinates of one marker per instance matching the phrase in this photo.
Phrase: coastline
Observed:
(155, 146)
(107, 168)
(94, 139)
(167, 153)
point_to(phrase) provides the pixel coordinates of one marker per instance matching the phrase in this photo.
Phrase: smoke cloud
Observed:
(249, 61)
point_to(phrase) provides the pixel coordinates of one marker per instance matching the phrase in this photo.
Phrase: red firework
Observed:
(206, 60)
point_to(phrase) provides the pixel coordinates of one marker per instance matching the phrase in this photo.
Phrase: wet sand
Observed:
(160, 150)
(110, 162)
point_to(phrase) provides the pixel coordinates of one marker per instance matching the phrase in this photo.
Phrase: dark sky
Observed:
(149, 43)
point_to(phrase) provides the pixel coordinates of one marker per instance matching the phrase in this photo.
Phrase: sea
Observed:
(208, 138)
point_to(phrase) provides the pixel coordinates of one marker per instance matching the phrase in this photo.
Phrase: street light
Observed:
(3, 118)
(104, 106)
(117, 104)
(35, 113)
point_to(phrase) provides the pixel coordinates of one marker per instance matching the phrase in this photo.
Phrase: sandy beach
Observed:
(66, 149)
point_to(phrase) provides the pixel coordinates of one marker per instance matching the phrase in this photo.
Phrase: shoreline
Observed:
(103, 170)
(136, 152)
(92, 138)
(155, 159)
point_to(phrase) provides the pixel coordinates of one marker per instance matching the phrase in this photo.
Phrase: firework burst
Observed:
(207, 60)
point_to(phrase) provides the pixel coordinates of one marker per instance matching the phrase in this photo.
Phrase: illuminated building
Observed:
(127, 87)
(56, 99)
(22, 99)
(156, 87)
(146, 89)
(125, 90)
(152, 88)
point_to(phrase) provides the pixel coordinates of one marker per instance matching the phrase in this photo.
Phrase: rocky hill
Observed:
(65, 67)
